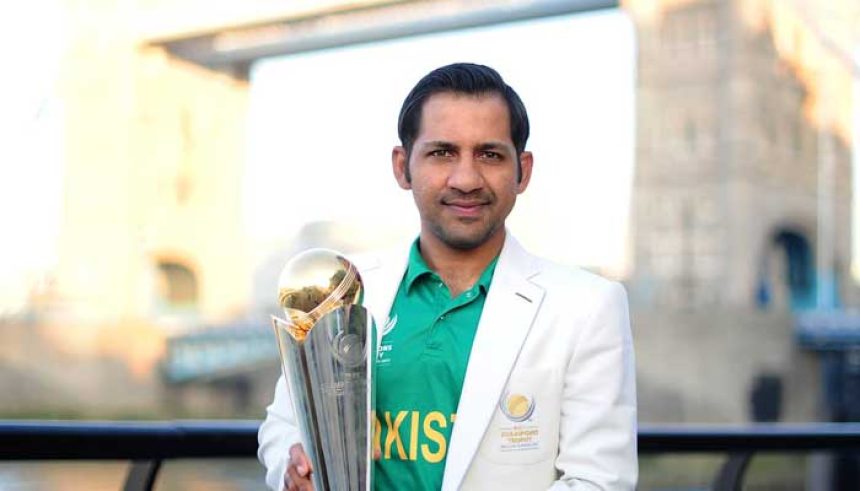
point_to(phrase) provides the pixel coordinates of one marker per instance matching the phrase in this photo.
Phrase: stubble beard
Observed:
(464, 241)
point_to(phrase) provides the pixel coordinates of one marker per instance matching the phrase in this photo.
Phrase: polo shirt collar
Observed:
(417, 267)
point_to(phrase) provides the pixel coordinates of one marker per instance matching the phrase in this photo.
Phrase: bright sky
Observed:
(322, 125)
(31, 148)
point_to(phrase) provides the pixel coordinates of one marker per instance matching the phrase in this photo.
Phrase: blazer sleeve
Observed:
(597, 440)
(278, 432)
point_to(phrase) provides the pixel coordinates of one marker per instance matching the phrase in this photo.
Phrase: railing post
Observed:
(141, 475)
(731, 474)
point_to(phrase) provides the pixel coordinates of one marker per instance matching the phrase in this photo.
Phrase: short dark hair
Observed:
(465, 78)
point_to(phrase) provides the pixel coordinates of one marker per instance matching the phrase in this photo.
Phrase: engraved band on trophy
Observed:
(327, 342)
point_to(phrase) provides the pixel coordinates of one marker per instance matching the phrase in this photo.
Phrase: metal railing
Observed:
(148, 444)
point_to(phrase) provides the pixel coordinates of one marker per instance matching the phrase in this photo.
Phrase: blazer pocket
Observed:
(524, 428)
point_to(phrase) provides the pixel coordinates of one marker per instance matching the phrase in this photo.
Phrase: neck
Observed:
(458, 268)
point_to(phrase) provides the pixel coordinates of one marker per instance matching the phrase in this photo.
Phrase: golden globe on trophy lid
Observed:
(324, 344)
(314, 283)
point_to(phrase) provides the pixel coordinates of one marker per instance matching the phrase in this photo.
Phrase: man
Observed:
(497, 369)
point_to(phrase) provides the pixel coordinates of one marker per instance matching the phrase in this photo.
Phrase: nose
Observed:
(465, 175)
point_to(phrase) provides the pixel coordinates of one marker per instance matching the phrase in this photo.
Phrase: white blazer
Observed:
(555, 343)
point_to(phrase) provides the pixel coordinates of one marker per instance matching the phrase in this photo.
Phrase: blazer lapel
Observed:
(511, 305)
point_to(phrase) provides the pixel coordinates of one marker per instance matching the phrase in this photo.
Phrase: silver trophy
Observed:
(327, 342)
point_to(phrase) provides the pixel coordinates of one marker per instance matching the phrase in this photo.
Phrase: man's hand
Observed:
(298, 470)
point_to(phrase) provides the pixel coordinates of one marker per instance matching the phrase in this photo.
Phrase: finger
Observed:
(294, 478)
(300, 460)
(377, 453)
(304, 465)
(297, 482)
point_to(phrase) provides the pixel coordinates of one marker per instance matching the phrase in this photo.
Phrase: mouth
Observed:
(466, 208)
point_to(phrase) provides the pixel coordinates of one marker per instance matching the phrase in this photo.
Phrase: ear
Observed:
(526, 162)
(400, 166)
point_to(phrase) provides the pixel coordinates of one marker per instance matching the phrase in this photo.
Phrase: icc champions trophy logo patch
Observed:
(517, 407)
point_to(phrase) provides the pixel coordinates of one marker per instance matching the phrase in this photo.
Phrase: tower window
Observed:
(177, 285)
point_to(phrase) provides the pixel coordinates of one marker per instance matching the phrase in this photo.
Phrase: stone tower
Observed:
(153, 154)
(737, 159)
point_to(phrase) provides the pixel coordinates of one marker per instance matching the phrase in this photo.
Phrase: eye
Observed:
(441, 153)
(490, 155)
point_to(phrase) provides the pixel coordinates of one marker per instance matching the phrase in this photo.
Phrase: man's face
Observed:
(463, 169)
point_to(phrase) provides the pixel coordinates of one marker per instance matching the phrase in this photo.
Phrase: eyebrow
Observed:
(492, 146)
(439, 144)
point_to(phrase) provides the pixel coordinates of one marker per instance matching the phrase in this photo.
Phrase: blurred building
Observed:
(742, 207)
(151, 239)
(153, 170)
(742, 192)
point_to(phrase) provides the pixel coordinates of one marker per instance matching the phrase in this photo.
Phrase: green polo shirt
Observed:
(420, 367)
